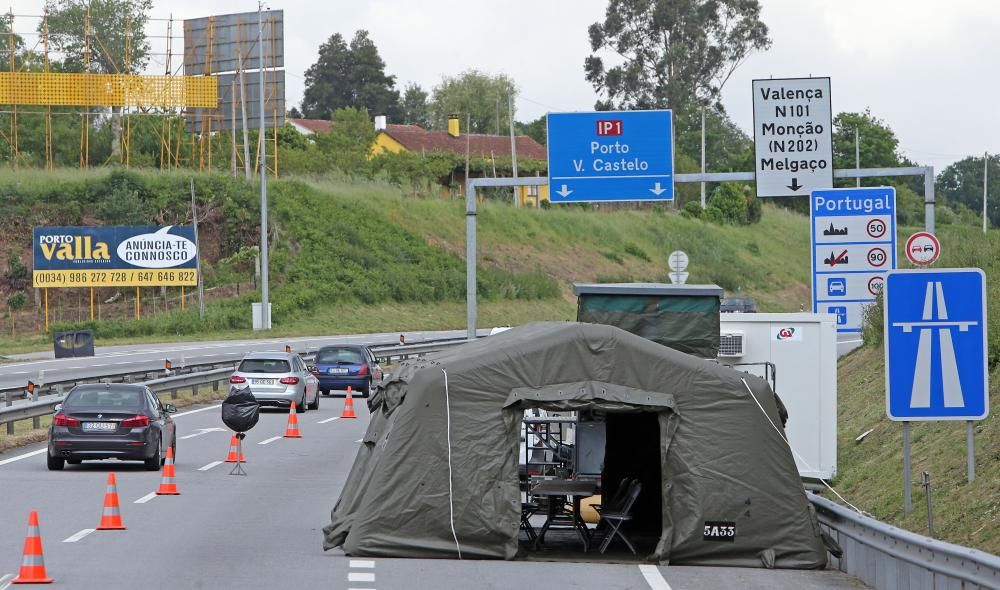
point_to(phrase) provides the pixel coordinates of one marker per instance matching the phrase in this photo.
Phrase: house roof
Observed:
(312, 125)
(418, 139)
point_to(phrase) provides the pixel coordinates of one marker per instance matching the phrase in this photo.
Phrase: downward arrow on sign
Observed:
(795, 184)
(565, 192)
(657, 190)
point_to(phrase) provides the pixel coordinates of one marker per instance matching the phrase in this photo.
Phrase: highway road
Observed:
(264, 530)
(43, 368)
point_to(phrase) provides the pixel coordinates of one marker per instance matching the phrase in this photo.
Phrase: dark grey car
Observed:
(111, 421)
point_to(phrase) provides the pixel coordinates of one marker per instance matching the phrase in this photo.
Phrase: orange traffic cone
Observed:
(168, 487)
(348, 405)
(111, 519)
(32, 564)
(235, 454)
(292, 430)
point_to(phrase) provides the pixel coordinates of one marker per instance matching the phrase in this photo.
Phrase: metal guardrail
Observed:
(43, 405)
(887, 557)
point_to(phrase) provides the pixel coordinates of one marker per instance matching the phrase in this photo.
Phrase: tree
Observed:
(673, 52)
(878, 147)
(415, 110)
(536, 129)
(349, 76)
(349, 142)
(117, 43)
(480, 96)
(962, 184)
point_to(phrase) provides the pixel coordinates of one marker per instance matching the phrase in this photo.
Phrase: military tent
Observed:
(437, 473)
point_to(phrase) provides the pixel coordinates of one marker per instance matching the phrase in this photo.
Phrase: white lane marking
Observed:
(5, 581)
(653, 577)
(362, 563)
(210, 465)
(270, 440)
(328, 420)
(198, 410)
(359, 577)
(202, 431)
(146, 498)
(76, 537)
(24, 456)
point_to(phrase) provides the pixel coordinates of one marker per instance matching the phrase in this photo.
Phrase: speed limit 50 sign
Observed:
(853, 247)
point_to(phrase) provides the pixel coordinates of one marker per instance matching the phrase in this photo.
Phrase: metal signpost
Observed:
(935, 352)
(792, 136)
(611, 156)
(853, 247)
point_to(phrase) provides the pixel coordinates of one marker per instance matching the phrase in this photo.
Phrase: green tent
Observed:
(437, 473)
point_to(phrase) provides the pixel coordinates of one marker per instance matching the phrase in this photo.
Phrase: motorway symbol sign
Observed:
(935, 345)
(922, 248)
(793, 145)
(678, 261)
(611, 156)
(853, 245)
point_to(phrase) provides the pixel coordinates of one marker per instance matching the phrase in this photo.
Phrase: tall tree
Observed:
(415, 110)
(961, 183)
(475, 94)
(536, 129)
(117, 42)
(878, 147)
(672, 53)
(349, 76)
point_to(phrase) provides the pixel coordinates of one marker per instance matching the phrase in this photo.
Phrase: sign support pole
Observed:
(138, 303)
(907, 476)
(970, 433)
(91, 304)
(46, 309)
(265, 295)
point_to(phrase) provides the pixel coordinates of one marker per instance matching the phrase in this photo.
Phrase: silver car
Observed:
(277, 379)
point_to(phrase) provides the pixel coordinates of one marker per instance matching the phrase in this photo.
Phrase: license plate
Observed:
(100, 426)
(263, 381)
(337, 371)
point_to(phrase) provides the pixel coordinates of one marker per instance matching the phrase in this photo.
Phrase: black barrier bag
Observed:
(240, 410)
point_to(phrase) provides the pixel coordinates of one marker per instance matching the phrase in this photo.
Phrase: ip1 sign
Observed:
(922, 248)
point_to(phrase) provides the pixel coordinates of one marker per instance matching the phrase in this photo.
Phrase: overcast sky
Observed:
(928, 68)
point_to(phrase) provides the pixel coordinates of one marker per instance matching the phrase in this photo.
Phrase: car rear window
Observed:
(104, 399)
(264, 366)
(339, 355)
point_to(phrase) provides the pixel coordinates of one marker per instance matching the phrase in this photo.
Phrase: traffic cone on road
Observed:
(168, 487)
(235, 454)
(111, 518)
(32, 563)
(292, 430)
(348, 405)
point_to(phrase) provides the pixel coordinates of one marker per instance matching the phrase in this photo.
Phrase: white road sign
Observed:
(793, 144)
(678, 261)
(678, 278)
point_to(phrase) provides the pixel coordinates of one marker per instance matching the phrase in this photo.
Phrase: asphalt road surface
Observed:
(43, 368)
(264, 530)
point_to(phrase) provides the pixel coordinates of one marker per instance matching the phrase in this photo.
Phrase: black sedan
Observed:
(111, 421)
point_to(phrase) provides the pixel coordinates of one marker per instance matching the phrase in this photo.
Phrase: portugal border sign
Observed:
(611, 156)
(144, 256)
(792, 136)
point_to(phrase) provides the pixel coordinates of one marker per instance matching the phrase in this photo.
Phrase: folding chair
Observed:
(528, 509)
(614, 502)
(617, 517)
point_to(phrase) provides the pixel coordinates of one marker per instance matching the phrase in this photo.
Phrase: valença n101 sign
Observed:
(793, 140)
(144, 256)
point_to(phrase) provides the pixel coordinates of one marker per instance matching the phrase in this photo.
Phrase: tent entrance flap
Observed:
(632, 451)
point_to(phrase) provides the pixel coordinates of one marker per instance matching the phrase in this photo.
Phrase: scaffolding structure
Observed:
(160, 105)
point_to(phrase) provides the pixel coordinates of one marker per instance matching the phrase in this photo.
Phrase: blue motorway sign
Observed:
(935, 345)
(853, 247)
(611, 156)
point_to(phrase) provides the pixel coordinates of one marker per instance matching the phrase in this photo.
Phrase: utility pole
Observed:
(703, 156)
(513, 146)
(201, 283)
(986, 172)
(265, 312)
(857, 157)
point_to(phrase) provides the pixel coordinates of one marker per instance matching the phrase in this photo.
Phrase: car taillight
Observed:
(363, 370)
(289, 380)
(64, 420)
(237, 379)
(136, 421)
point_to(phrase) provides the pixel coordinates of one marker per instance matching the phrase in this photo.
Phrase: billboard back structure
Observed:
(133, 256)
(228, 43)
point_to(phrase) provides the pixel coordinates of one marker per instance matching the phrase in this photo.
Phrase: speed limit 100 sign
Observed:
(922, 248)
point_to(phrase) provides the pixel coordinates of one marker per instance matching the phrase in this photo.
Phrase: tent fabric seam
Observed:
(451, 491)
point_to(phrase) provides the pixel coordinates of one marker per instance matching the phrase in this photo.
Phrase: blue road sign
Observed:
(611, 156)
(853, 246)
(935, 345)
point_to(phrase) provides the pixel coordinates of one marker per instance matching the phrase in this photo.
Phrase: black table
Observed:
(557, 490)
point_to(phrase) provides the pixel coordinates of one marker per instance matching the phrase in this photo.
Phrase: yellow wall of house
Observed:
(384, 143)
(541, 193)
